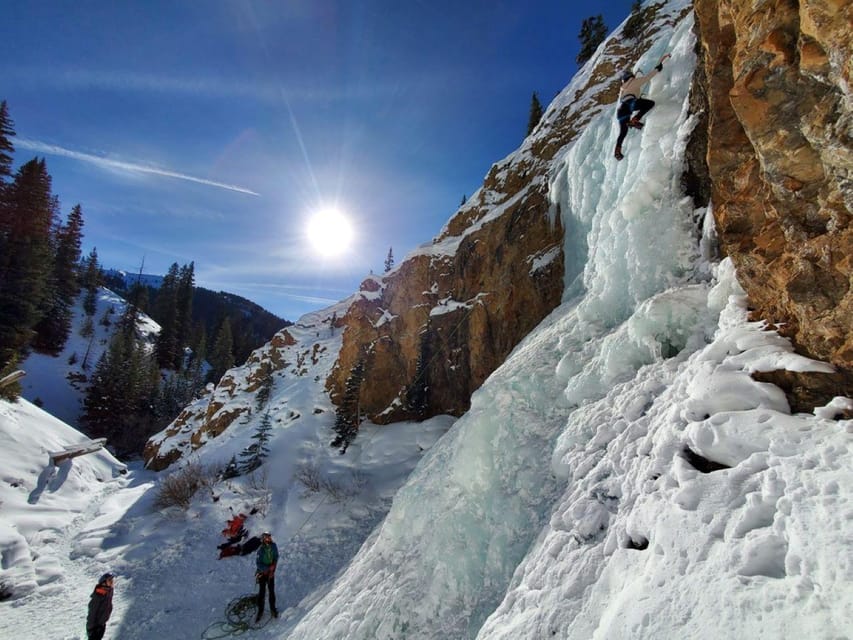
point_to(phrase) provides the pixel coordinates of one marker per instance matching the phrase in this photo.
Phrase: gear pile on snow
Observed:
(235, 531)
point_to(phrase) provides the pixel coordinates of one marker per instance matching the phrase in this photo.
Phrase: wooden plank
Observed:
(76, 450)
(96, 442)
(12, 377)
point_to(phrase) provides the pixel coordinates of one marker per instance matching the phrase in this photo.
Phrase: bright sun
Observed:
(330, 232)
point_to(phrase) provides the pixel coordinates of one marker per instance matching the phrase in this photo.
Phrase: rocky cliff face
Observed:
(233, 398)
(772, 150)
(436, 327)
(777, 89)
(432, 331)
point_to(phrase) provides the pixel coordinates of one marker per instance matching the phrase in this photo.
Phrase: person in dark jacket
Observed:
(100, 607)
(265, 564)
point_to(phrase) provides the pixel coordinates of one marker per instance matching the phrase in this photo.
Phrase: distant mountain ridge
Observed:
(125, 280)
(251, 324)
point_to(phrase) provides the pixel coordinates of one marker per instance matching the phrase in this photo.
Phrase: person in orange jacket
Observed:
(630, 102)
(100, 607)
(265, 562)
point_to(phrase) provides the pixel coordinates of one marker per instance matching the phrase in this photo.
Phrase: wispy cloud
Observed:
(267, 290)
(133, 167)
(272, 91)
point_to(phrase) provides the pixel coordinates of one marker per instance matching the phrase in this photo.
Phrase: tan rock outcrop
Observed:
(211, 415)
(447, 321)
(780, 158)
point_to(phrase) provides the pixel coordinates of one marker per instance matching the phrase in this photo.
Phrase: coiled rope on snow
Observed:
(239, 618)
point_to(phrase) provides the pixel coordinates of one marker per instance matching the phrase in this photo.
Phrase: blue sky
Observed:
(211, 131)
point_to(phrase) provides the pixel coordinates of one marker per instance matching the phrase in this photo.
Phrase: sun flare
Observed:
(329, 232)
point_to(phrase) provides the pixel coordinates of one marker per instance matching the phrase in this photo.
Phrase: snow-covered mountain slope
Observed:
(295, 363)
(171, 582)
(58, 383)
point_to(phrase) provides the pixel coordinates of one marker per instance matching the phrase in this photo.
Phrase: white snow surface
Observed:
(40, 501)
(572, 501)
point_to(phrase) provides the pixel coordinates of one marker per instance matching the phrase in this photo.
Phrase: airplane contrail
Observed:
(52, 149)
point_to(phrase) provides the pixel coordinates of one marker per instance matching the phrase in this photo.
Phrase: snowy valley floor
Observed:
(171, 582)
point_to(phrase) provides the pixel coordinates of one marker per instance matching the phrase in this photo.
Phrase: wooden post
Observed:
(12, 377)
(74, 450)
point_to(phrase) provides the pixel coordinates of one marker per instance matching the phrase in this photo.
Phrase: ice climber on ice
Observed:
(100, 607)
(265, 563)
(630, 101)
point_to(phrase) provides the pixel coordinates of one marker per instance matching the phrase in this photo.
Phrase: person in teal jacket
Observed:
(266, 561)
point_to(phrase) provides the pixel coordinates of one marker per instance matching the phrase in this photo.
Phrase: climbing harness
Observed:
(626, 107)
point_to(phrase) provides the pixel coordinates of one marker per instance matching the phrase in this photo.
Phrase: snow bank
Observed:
(39, 500)
(647, 542)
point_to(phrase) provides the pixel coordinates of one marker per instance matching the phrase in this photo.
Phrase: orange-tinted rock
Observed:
(780, 157)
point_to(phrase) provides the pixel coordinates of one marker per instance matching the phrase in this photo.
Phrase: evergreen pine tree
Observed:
(127, 323)
(262, 397)
(167, 316)
(69, 252)
(253, 455)
(168, 398)
(120, 400)
(7, 131)
(389, 261)
(593, 31)
(106, 400)
(176, 391)
(535, 113)
(232, 470)
(197, 360)
(55, 326)
(86, 361)
(26, 220)
(347, 416)
(417, 398)
(184, 308)
(91, 281)
(138, 297)
(222, 355)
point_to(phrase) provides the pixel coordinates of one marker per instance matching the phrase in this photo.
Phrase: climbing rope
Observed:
(239, 618)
